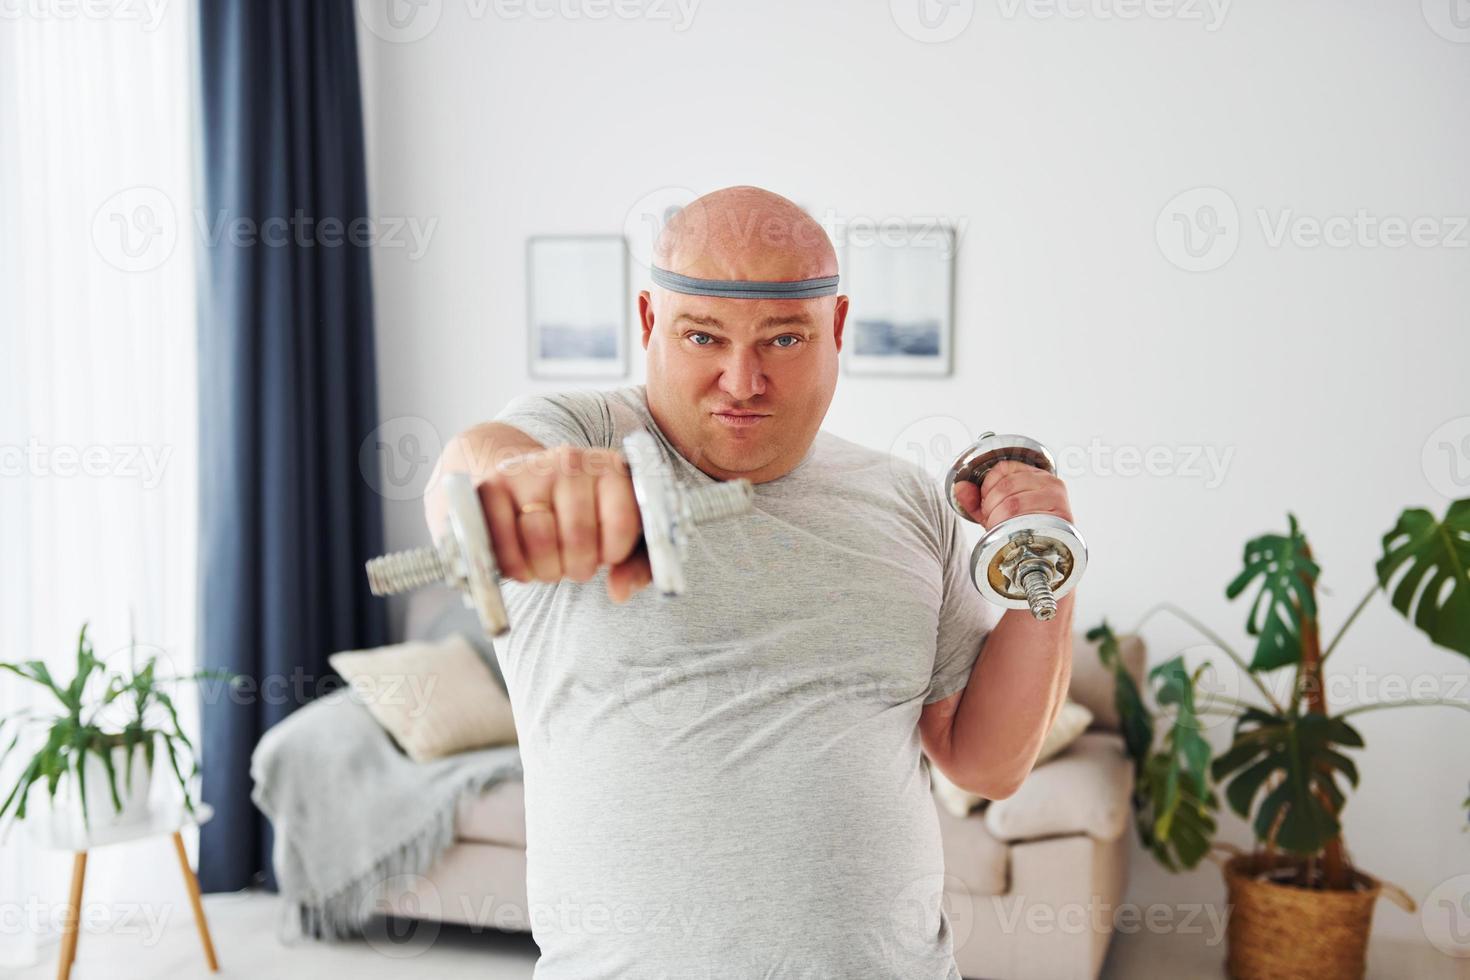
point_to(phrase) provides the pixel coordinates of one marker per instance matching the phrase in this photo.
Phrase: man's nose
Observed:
(742, 377)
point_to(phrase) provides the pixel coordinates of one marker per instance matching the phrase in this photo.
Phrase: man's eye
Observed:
(790, 336)
(693, 337)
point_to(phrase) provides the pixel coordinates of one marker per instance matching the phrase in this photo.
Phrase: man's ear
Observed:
(645, 315)
(839, 319)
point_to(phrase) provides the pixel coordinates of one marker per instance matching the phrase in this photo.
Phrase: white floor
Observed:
(244, 933)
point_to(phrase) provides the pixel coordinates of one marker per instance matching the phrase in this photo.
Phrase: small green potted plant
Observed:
(83, 745)
(1300, 907)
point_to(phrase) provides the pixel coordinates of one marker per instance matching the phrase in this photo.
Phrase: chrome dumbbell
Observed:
(1031, 560)
(669, 511)
(464, 558)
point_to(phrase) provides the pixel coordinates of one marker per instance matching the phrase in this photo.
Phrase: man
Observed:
(729, 783)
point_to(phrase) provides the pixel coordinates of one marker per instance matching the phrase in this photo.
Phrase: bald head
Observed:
(745, 233)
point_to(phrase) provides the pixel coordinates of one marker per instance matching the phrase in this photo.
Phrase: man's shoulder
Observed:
(600, 401)
(595, 417)
(627, 409)
(884, 480)
(632, 396)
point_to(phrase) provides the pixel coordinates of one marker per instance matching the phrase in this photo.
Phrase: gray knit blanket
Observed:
(351, 811)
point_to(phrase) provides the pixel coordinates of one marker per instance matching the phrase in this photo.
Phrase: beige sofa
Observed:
(1032, 881)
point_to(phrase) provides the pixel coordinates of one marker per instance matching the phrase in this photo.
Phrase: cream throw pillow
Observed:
(435, 699)
(1071, 721)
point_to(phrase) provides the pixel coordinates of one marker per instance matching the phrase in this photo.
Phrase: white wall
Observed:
(1322, 375)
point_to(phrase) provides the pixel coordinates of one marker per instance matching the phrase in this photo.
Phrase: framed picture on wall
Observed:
(901, 284)
(577, 306)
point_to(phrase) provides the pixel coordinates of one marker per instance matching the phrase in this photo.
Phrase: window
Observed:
(97, 384)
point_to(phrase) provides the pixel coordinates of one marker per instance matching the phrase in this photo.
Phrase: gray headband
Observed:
(744, 288)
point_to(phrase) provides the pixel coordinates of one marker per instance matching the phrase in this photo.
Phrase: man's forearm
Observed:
(1011, 700)
(474, 451)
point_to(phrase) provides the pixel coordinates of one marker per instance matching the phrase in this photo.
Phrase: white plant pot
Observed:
(63, 814)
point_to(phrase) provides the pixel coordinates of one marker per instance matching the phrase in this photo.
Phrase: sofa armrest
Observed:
(1086, 790)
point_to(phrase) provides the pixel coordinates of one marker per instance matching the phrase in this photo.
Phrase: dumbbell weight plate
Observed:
(984, 453)
(656, 491)
(1046, 534)
(475, 559)
(670, 511)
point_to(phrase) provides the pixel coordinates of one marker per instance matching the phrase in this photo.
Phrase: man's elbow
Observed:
(1000, 790)
(989, 784)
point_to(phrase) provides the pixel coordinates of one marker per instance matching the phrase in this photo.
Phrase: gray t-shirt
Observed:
(730, 783)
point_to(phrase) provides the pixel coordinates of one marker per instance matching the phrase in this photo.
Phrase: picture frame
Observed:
(577, 306)
(901, 284)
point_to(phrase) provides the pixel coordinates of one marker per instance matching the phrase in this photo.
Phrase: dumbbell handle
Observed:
(718, 501)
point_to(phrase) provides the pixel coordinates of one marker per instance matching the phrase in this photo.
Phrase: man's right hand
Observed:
(582, 515)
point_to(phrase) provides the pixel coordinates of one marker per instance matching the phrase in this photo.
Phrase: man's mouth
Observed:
(739, 418)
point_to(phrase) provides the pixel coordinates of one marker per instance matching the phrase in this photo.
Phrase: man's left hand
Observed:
(1012, 488)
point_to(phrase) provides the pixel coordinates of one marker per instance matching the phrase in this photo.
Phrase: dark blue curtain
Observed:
(287, 389)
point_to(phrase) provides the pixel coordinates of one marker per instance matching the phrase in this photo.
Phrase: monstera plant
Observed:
(1289, 766)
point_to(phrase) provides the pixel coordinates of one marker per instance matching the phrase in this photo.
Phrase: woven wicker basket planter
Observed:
(1284, 932)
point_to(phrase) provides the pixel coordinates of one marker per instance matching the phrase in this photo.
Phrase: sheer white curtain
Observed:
(97, 386)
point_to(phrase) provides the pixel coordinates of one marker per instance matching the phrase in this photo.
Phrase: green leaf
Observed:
(1307, 826)
(174, 764)
(1194, 824)
(1302, 752)
(82, 790)
(1174, 685)
(173, 715)
(1335, 799)
(1338, 730)
(1179, 836)
(1172, 795)
(1242, 790)
(1135, 720)
(87, 664)
(1287, 576)
(1177, 688)
(18, 792)
(53, 755)
(35, 671)
(106, 755)
(1242, 751)
(1341, 762)
(1439, 552)
(10, 748)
